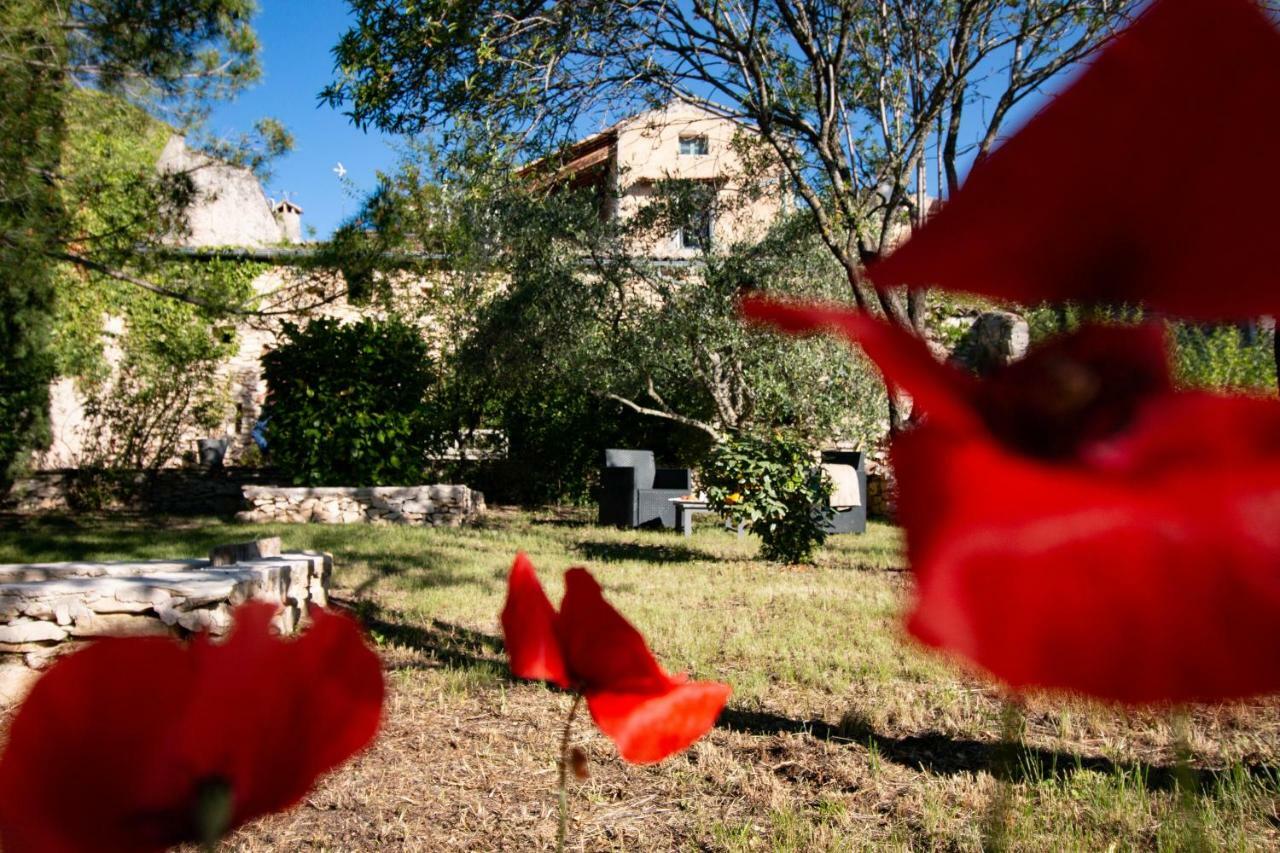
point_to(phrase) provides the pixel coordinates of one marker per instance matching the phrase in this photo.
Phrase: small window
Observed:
(694, 146)
(697, 234)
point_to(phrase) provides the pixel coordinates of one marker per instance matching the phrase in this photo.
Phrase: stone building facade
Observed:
(233, 217)
(628, 162)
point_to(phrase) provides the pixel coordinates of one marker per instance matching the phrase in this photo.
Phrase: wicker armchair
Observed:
(634, 492)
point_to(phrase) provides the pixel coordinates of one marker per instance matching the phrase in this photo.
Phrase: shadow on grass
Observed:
(69, 538)
(644, 552)
(943, 755)
(441, 643)
(425, 568)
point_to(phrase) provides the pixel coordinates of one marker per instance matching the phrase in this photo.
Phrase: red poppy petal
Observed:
(939, 389)
(1156, 588)
(72, 777)
(1075, 389)
(529, 627)
(649, 727)
(1160, 439)
(602, 650)
(320, 693)
(1138, 208)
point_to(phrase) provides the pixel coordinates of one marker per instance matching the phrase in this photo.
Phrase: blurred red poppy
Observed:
(140, 744)
(590, 648)
(1122, 189)
(1075, 523)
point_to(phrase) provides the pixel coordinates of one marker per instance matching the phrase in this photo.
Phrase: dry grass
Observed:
(840, 735)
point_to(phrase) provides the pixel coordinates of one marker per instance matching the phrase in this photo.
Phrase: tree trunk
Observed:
(899, 416)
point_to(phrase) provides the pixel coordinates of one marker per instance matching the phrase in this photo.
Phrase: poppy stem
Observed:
(999, 816)
(1187, 781)
(564, 774)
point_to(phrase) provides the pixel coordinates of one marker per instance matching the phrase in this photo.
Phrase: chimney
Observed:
(289, 215)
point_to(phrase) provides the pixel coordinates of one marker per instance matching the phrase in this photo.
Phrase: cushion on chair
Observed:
(847, 490)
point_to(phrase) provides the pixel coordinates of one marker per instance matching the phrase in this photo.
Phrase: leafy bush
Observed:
(554, 436)
(347, 404)
(1213, 357)
(1224, 357)
(773, 485)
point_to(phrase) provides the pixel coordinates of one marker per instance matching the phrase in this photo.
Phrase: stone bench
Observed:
(49, 609)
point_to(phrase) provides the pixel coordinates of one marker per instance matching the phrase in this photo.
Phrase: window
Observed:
(695, 146)
(697, 234)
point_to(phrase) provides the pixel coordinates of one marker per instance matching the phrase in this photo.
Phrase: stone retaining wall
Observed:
(49, 609)
(438, 506)
(882, 503)
(171, 491)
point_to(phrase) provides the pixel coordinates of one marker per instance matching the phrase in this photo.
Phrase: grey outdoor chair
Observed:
(849, 514)
(634, 492)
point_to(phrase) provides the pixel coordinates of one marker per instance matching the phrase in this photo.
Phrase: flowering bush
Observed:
(773, 485)
(139, 744)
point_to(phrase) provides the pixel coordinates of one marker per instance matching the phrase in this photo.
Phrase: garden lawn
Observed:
(840, 735)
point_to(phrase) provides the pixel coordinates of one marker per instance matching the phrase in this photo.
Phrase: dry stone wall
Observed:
(437, 506)
(171, 491)
(49, 609)
(882, 498)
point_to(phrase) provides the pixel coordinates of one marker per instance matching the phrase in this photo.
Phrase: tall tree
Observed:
(857, 98)
(168, 55)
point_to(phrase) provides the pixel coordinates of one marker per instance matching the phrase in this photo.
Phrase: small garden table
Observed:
(687, 507)
(685, 510)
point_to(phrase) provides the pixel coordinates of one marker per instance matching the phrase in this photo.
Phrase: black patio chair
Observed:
(634, 492)
(850, 518)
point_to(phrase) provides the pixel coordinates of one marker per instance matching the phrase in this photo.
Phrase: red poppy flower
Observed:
(1124, 189)
(588, 647)
(139, 744)
(1074, 522)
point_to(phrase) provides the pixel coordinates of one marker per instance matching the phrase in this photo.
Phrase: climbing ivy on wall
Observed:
(70, 187)
(145, 363)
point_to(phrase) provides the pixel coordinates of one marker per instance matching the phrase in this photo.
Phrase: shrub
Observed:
(772, 484)
(1225, 357)
(347, 404)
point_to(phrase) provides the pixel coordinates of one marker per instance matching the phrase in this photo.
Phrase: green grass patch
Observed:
(841, 734)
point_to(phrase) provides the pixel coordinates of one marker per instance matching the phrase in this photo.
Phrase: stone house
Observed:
(628, 163)
(230, 211)
(233, 217)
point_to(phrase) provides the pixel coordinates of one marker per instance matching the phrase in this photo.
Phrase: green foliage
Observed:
(31, 136)
(555, 312)
(555, 436)
(347, 404)
(1213, 357)
(1225, 358)
(773, 485)
(163, 385)
(68, 189)
(164, 388)
(178, 52)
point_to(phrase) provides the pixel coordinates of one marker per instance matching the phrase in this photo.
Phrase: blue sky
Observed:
(297, 37)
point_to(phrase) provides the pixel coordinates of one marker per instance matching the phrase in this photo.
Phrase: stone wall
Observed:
(49, 609)
(882, 502)
(170, 491)
(438, 506)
